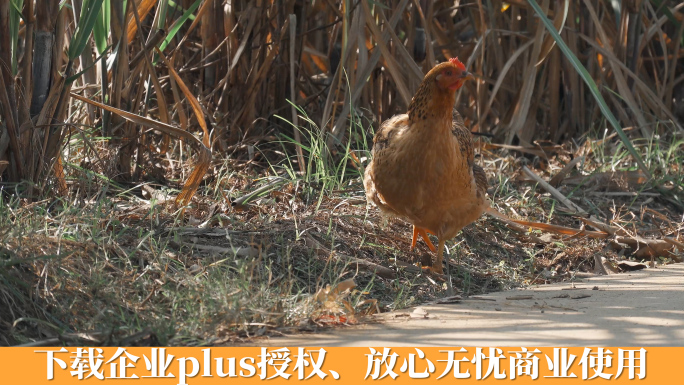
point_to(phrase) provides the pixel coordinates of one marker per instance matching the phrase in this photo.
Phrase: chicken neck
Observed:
(431, 104)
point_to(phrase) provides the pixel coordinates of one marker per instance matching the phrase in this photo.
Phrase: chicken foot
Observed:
(423, 234)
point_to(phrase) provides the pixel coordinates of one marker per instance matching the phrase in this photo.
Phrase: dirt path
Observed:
(642, 308)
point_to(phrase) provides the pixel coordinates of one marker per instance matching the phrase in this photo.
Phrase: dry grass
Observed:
(278, 97)
(242, 66)
(124, 267)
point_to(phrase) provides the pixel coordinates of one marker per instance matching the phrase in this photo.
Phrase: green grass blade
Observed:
(178, 23)
(89, 15)
(584, 74)
(102, 27)
(163, 6)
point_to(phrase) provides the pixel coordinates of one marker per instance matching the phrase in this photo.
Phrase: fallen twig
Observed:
(519, 297)
(558, 178)
(270, 186)
(555, 193)
(249, 252)
(645, 248)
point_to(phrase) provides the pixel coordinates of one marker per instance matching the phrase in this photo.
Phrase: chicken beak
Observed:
(467, 76)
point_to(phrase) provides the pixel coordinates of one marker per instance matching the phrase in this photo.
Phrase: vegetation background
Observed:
(188, 171)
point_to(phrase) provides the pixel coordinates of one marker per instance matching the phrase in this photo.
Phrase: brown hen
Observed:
(423, 166)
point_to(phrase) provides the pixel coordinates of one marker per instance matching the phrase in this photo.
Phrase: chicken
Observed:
(423, 166)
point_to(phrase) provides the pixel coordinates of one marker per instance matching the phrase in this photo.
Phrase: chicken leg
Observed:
(437, 266)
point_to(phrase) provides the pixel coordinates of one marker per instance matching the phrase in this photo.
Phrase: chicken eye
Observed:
(448, 73)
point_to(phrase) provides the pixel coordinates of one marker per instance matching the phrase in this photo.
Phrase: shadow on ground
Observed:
(643, 308)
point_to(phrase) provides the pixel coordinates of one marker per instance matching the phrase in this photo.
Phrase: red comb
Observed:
(457, 63)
